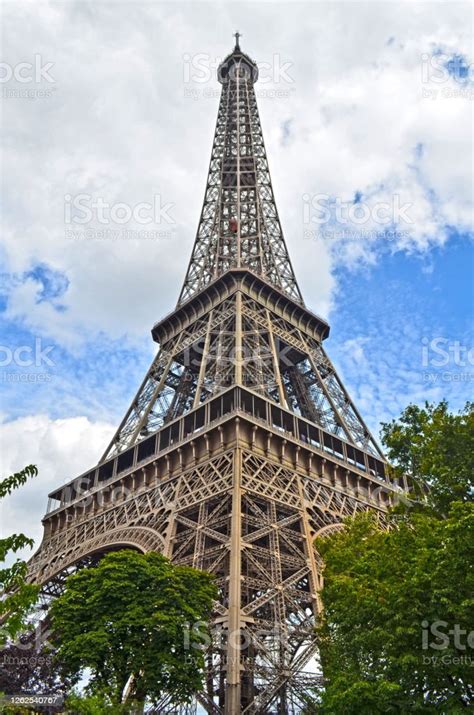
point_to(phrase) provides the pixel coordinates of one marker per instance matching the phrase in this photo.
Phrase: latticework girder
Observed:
(239, 223)
(266, 353)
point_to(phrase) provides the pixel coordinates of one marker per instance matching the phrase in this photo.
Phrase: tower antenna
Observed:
(237, 35)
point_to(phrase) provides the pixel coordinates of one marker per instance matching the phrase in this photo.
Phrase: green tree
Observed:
(127, 620)
(98, 704)
(435, 449)
(383, 591)
(392, 596)
(18, 597)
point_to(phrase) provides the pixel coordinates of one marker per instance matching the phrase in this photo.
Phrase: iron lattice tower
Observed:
(241, 445)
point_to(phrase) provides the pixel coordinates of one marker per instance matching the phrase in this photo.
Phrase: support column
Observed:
(232, 704)
(239, 357)
(276, 362)
(315, 578)
(203, 366)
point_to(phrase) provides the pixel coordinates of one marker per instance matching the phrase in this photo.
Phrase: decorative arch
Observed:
(138, 537)
(330, 529)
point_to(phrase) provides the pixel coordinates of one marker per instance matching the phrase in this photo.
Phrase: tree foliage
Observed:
(434, 447)
(18, 596)
(128, 617)
(98, 704)
(383, 591)
(398, 602)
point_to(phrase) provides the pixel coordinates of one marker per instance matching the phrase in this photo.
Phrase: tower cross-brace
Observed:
(241, 445)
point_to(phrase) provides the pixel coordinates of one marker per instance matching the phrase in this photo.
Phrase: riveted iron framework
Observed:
(241, 444)
(239, 223)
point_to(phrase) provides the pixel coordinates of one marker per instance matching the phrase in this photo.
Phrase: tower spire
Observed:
(239, 225)
(237, 35)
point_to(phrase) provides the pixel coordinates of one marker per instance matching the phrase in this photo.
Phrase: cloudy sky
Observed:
(366, 110)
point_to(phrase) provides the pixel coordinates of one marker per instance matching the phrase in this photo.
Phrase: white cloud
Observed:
(118, 126)
(61, 449)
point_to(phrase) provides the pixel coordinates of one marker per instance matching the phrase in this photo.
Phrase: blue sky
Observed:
(121, 114)
(394, 311)
(382, 318)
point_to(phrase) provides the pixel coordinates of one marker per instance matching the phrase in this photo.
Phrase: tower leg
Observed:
(232, 705)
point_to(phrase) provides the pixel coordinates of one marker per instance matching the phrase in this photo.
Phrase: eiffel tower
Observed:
(241, 445)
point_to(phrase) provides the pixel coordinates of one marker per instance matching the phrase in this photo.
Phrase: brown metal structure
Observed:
(241, 445)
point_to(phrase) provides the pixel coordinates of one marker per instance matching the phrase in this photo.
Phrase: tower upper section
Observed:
(237, 64)
(239, 225)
